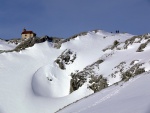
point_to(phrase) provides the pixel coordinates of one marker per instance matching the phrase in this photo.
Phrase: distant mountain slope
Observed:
(45, 78)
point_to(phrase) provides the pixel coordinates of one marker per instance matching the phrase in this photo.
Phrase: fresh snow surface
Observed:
(57, 86)
(31, 82)
(6, 46)
(20, 83)
(89, 47)
(130, 97)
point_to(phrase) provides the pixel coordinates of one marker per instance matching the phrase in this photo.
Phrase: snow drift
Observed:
(51, 81)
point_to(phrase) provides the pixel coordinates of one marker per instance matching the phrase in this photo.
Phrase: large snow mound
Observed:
(51, 81)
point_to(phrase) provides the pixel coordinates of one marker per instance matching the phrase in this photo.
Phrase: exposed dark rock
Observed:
(23, 44)
(96, 82)
(133, 62)
(132, 71)
(61, 65)
(77, 81)
(67, 57)
(142, 46)
(139, 71)
(113, 46)
(137, 39)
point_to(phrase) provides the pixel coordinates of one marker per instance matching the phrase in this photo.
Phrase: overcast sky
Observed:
(64, 18)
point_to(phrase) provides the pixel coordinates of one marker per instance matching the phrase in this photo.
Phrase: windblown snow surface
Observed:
(130, 97)
(6, 46)
(31, 81)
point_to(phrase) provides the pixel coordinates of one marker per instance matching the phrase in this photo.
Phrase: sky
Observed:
(64, 18)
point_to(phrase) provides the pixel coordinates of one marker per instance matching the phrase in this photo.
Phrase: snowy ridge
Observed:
(46, 79)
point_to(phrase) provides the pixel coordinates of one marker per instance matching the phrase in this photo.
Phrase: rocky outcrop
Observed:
(96, 82)
(133, 71)
(143, 45)
(67, 57)
(25, 43)
(31, 41)
(137, 39)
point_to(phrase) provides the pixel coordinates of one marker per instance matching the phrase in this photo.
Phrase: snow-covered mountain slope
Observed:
(130, 97)
(6, 46)
(43, 79)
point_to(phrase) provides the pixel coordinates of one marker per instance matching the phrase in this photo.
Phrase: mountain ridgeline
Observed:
(83, 64)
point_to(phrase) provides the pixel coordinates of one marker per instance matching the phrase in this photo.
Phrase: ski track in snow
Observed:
(108, 96)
